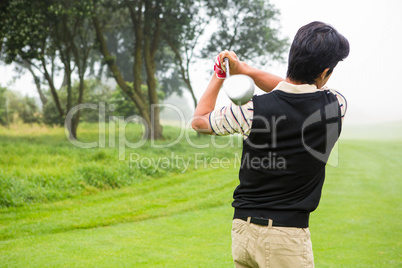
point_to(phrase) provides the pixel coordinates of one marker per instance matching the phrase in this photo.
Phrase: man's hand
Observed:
(264, 80)
(234, 63)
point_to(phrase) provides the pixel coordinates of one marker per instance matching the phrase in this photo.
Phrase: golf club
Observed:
(239, 88)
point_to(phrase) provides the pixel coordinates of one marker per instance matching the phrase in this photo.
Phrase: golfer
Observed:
(288, 134)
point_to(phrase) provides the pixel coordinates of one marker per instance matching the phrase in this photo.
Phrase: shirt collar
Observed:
(298, 89)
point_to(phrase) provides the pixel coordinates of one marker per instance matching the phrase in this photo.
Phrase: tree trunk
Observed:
(64, 82)
(53, 91)
(76, 118)
(67, 71)
(74, 126)
(42, 96)
(132, 94)
(156, 129)
(136, 19)
(151, 39)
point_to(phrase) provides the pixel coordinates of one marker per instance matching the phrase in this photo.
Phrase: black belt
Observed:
(264, 222)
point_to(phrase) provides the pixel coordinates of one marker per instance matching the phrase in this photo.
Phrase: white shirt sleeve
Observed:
(231, 119)
(343, 104)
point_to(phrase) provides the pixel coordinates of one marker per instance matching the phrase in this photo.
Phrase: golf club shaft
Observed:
(227, 67)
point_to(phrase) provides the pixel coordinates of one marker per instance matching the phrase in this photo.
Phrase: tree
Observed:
(147, 20)
(74, 38)
(29, 112)
(3, 13)
(38, 32)
(3, 107)
(14, 107)
(187, 27)
(37, 81)
(26, 30)
(140, 41)
(251, 28)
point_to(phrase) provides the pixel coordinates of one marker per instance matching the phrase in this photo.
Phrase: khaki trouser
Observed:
(267, 246)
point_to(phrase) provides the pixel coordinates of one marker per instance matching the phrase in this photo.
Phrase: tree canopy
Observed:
(145, 45)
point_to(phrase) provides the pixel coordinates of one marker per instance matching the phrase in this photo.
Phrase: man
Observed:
(288, 135)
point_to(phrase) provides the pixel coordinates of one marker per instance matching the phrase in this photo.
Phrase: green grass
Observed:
(165, 218)
(359, 220)
(40, 165)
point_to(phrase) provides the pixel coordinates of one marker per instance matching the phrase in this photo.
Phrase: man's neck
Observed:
(288, 80)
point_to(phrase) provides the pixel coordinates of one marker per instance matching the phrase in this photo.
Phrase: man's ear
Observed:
(324, 74)
(323, 78)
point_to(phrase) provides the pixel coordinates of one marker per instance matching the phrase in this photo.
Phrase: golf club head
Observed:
(239, 88)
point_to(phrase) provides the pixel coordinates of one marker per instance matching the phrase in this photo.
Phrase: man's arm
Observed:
(264, 80)
(205, 106)
(343, 104)
(201, 121)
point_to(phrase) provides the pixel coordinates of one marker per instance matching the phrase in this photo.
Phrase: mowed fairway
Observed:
(165, 218)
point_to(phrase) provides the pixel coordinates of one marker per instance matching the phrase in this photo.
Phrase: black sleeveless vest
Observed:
(283, 160)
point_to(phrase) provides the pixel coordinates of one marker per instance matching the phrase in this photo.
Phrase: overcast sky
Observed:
(369, 77)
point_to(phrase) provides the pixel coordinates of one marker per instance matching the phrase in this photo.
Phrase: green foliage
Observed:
(3, 106)
(14, 107)
(145, 39)
(47, 37)
(169, 77)
(31, 28)
(50, 114)
(29, 112)
(25, 28)
(116, 103)
(96, 93)
(122, 104)
(250, 28)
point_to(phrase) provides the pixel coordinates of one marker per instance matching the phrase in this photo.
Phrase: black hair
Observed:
(316, 46)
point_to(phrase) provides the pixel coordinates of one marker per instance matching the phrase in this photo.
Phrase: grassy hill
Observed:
(63, 206)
